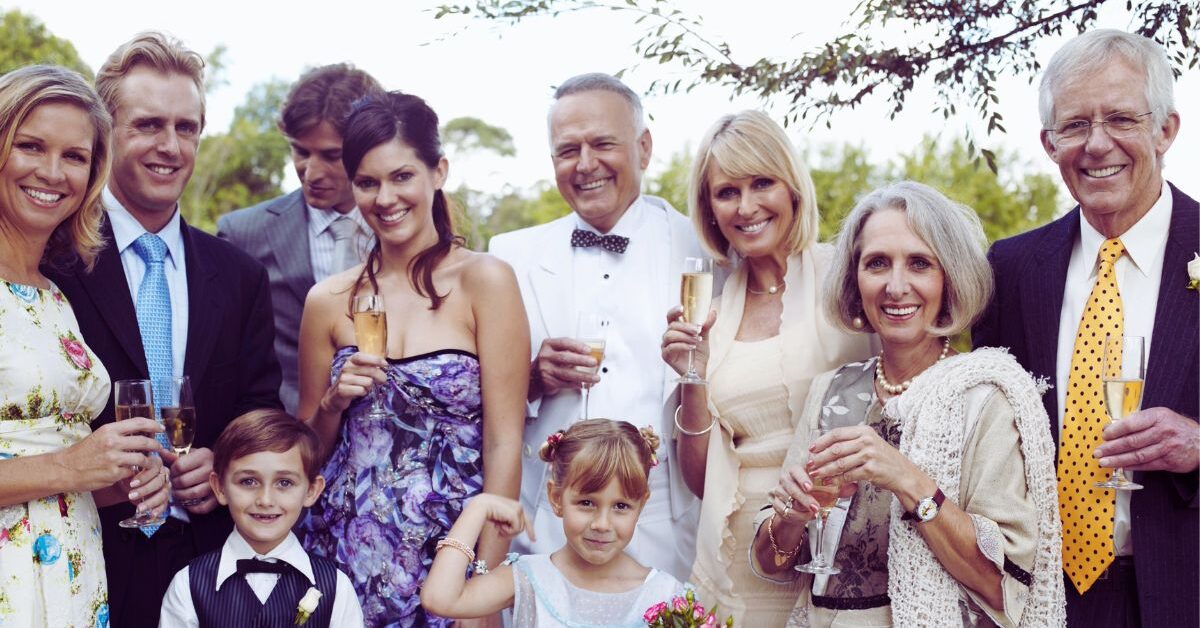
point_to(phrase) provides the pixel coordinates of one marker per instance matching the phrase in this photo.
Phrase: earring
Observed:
(857, 323)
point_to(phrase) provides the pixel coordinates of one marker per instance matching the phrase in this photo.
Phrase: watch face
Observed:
(927, 509)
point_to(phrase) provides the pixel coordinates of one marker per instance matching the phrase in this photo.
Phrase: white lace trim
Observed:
(932, 419)
(989, 539)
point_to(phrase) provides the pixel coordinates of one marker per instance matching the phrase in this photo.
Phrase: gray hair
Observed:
(952, 230)
(599, 81)
(1094, 50)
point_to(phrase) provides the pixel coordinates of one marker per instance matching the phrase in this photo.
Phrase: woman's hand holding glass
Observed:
(359, 376)
(682, 337)
(859, 454)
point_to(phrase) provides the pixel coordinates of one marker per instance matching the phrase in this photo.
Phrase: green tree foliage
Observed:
(468, 134)
(963, 47)
(242, 166)
(672, 183)
(516, 211)
(24, 40)
(843, 174)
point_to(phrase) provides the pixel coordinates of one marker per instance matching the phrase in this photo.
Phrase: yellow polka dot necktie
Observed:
(1087, 511)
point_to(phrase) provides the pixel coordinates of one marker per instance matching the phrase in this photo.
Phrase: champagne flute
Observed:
(133, 398)
(825, 491)
(1123, 373)
(370, 333)
(695, 293)
(592, 330)
(178, 413)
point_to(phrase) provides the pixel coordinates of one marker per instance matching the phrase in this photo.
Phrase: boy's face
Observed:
(266, 492)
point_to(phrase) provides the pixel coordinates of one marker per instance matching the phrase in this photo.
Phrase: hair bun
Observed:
(549, 448)
(652, 439)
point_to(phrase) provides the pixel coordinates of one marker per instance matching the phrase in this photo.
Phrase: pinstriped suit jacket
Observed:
(1031, 271)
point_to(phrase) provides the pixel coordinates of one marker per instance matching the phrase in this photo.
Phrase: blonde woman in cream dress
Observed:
(753, 204)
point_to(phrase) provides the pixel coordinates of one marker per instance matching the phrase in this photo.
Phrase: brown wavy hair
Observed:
(379, 118)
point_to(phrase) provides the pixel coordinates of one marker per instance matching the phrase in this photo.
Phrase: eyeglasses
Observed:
(1119, 125)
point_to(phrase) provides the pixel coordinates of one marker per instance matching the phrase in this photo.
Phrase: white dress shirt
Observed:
(179, 612)
(321, 245)
(126, 229)
(626, 291)
(1138, 274)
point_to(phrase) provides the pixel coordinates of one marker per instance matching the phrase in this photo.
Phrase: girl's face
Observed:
(394, 191)
(598, 525)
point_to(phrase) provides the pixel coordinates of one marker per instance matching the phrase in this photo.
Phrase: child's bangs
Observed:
(594, 466)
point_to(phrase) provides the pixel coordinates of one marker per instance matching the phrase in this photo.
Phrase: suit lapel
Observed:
(1167, 376)
(203, 306)
(288, 237)
(1042, 302)
(109, 291)
(550, 280)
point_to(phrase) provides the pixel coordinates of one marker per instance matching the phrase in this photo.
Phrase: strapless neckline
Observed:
(414, 358)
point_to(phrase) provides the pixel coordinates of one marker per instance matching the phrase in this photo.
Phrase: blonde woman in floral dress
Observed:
(53, 468)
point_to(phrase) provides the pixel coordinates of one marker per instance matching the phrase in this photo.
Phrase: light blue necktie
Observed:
(154, 321)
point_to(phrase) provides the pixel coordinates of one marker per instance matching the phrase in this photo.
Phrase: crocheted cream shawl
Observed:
(933, 422)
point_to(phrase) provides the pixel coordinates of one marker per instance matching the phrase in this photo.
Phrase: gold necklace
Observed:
(896, 389)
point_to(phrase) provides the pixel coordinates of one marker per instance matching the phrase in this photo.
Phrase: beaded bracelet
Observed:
(687, 433)
(781, 557)
(458, 545)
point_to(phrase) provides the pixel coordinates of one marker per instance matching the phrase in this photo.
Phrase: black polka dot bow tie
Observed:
(612, 243)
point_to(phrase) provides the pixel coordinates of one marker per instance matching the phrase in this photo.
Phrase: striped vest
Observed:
(236, 605)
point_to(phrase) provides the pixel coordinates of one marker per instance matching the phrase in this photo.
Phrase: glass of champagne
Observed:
(592, 330)
(825, 491)
(370, 333)
(695, 294)
(178, 413)
(1123, 373)
(133, 398)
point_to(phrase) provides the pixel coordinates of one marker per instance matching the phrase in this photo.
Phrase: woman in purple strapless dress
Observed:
(457, 342)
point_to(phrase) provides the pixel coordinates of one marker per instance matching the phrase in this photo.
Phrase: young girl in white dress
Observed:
(598, 487)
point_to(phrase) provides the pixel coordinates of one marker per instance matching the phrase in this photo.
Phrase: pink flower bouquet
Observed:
(683, 612)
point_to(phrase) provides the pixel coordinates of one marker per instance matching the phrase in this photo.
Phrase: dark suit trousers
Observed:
(138, 581)
(1112, 602)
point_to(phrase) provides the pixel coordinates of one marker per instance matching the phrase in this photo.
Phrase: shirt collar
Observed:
(126, 228)
(1146, 237)
(320, 219)
(627, 226)
(236, 548)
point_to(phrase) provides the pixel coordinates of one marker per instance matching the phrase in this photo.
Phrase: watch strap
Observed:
(911, 515)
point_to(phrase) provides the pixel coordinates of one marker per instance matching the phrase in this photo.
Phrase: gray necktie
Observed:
(344, 230)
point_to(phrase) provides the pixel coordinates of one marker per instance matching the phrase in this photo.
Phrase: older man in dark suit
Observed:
(166, 300)
(1116, 265)
(316, 231)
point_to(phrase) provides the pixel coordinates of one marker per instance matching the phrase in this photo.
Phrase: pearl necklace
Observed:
(770, 289)
(896, 389)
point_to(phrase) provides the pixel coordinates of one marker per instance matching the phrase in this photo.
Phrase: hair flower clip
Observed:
(553, 440)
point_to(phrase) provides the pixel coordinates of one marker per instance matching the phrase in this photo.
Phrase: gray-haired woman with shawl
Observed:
(950, 511)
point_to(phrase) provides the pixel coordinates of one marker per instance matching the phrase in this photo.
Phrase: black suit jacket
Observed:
(229, 358)
(1031, 273)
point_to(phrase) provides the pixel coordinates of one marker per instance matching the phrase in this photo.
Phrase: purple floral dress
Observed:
(395, 487)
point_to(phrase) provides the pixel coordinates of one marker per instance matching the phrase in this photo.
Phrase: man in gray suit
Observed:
(316, 231)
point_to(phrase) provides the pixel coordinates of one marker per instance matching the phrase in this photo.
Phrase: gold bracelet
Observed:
(687, 433)
(458, 545)
(781, 557)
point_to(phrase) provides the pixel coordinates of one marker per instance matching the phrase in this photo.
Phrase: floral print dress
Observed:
(395, 487)
(51, 387)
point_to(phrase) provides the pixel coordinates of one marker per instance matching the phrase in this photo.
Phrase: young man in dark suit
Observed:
(166, 300)
(1116, 265)
(316, 231)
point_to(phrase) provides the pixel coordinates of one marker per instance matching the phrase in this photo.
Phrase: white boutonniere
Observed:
(307, 605)
(1194, 273)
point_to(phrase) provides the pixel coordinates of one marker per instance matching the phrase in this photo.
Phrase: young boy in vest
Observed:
(265, 471)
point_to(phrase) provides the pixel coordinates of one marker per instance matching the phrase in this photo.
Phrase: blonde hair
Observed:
(591, 453)
(749, 144)
(951, 230)
(160, 51)
(21, 92)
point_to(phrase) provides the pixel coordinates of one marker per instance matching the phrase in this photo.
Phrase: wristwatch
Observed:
(926, 509)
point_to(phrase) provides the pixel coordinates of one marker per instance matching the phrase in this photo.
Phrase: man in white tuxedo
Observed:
(618, 256)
